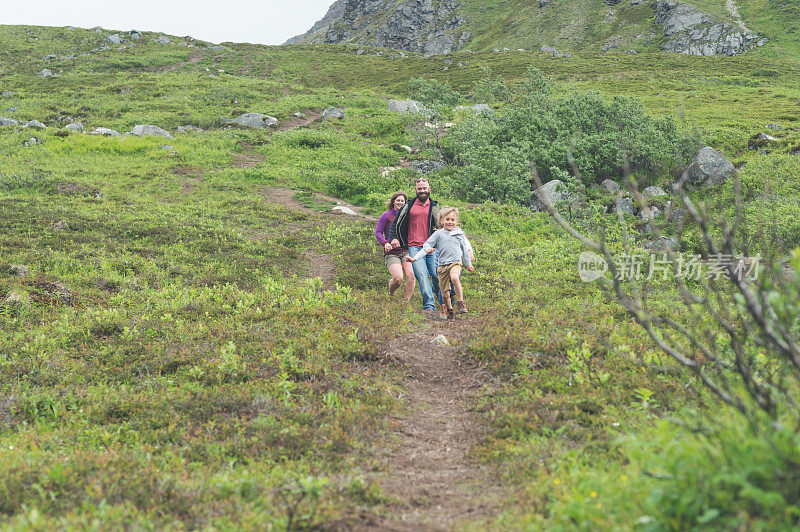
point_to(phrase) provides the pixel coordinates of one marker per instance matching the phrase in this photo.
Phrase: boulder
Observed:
(332, 113)
(77, 127)
(662, 243)
(8, 122)
(256, 120)
(186, 128)
(405, 106)
(163, 39)
(653, 192)
(33, 141)
(625, 206)
(426, 166)
(45, 73)
(7, 93)
(114, 39)
(760, 140)
(17, 300)
(554, 192)
(341, 209)
(478, 109)
(655, 212)
(36, 124)
(611, 186)
(709, 168)
(774, 127)
(105, 132)
(149, 130)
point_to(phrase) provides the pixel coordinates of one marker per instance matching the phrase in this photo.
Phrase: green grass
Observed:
(175, 368)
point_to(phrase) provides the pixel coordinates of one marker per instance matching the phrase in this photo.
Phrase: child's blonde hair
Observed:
(445, 211)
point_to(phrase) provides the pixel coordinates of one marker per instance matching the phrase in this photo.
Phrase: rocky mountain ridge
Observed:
(434, 27)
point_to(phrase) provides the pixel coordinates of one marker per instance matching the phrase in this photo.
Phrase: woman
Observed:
(394, 257)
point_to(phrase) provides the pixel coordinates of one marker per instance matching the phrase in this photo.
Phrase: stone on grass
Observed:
(77, 127)
(405, 106)
(256, 120)
(554, 192)
(341, 209)
(45, 73)
(709, 168)
(478, 109)
(104, 131)
(8, 122)
(149, 130)
(426, 166)
(610, 186)
(662, 243)
(163, 39)
(33, 141)
(114, 38)
(625, 206)
(188, 127)
(36, 124)
(332, 113)
(653, 192)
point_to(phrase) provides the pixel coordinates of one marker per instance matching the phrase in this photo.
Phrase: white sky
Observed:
(253, 21)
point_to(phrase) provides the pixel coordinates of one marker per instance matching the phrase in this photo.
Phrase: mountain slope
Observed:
(704, 27)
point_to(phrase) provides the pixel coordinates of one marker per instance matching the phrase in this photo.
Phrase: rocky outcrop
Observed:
(688, 30)
(431, 27)
(709, 168)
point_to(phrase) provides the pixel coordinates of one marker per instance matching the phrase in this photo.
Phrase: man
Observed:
(415, 222)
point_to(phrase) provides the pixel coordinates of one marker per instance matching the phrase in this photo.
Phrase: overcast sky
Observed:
(254, 21)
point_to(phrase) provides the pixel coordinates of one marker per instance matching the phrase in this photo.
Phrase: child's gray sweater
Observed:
(452, 247)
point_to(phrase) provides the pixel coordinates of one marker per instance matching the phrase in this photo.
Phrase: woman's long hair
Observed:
(390, 203)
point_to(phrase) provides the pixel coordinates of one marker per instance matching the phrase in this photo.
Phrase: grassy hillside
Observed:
(200, 343)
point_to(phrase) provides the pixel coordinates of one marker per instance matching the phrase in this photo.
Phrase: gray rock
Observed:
(359, 51)
(774, 127)
(135, 35)
(104, 131)
(114, 39)
(45, 73)
(688, 30)
(256, 120)
(440, 340)
(187, 128)
(7, 93)
(149, 130)
(709, 168)
(610, 186)
(332, 113)
(168, 147)
(625, 206)
(33, 141)
(554, 192)
(49, 57)
(60, 226)
(653, 192)
(478, 109)
(8, 122)
(405, 106)
(299, 115)
(77, 127)
(163, 39)
(662, 243)
(676, 215)
(217, 48)
(11, 110)
(655, 212)
(426, 166)
(36, 124)
(341, 209)
(426, 26)
(19, 270)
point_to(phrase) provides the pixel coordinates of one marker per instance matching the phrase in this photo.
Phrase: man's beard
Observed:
(423, 196)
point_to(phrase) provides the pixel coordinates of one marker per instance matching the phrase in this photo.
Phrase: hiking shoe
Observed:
(451, 315)
(462, 307)
(429, 313)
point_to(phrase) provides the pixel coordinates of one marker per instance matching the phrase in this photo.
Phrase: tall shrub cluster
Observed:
(555, 132)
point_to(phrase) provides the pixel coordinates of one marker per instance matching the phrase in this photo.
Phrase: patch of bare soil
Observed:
(191, 176)
(246, 160)
(310, 117)
(194, 57)
(428, 469)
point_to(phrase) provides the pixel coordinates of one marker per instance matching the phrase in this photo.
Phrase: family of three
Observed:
(422, 240)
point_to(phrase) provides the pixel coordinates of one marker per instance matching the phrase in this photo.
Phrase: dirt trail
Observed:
(428, 468)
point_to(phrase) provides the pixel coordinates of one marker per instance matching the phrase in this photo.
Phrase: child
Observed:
(454, 249)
